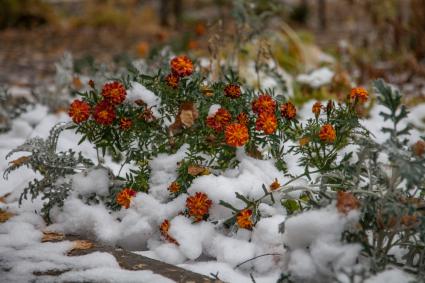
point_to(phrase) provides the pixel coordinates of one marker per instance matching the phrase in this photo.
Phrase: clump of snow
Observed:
(95, 180)
(390, 276)
(317, 78)
(213, 109)
(139, 91)
(313, 241)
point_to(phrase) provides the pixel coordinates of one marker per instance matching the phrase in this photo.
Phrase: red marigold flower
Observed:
(126, 123)
(359, 94)
(288, 110)
(317, 107)
(232, 91)
(182, 66)
(114, 92)
(220, 120)
(198, 206)
(242, 118)
(79, 111)
(104, 113)
(174, 187)
(165, 226)
(172, 80)
(327, 133)
(244, 219)
(267, 122)
(236, 134)
(346, 202)
(264, 103)
(124, 197)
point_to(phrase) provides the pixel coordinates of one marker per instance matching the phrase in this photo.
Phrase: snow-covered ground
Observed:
(309, 247)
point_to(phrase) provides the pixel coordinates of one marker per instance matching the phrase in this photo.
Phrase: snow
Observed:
(390, 276)
(316, 78)
(139, 91)
(91, 181)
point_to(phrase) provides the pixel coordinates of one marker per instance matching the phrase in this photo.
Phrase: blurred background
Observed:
(362, 39)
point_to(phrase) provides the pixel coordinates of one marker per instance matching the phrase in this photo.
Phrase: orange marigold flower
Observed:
(125, 123)
(104, 113)
(172, 80)
(242, 118)
(244, 219)
(182, 66)
(232, 91)
(114, 92)
(198, 206)
(267, 122)
(236, 134)
(165, 226)
(275, 185)
(345, 202)
(288, 110)
(419, 148)
(359, 94)
(174, 187)
(264, 103)
(79, 111)
(124, 197)
(317, 107)
(220, 120)
(327, 133)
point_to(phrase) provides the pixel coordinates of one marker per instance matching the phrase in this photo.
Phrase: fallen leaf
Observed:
(4, 216)
(3, 198)
(49, 236)
(81, 245)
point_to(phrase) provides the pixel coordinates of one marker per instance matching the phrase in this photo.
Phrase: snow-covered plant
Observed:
(52, 165)
(389, 180)
(214, 120)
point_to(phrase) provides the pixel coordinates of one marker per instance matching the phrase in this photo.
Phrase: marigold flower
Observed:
(220, 120)
(275, 185)
(125, 123)
(174, 187)
(198, 206)
(104, 113)
(327, 133)
(264, 103)
(236, 134)
(244, 219)
(267, 122)
(114, 92)
(172, 80)
(317, 107)
(79, 111)
(346, 202)
(359, 94)
(124, 197)
(182, 66)
(288, 110)
(165, 226)
(232, 91)
(419, 148)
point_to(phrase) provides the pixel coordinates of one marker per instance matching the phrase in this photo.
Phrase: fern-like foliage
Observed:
(52, 165)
